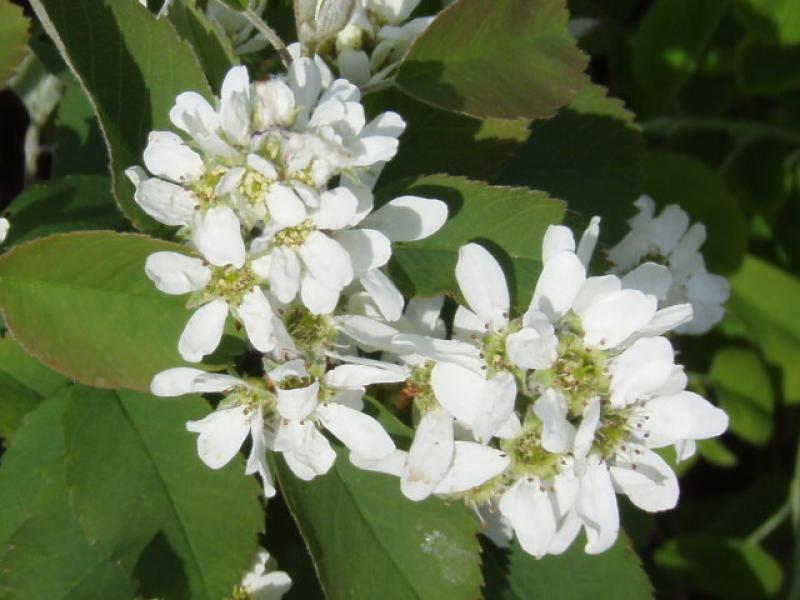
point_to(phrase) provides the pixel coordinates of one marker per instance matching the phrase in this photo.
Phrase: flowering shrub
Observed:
(336, 256)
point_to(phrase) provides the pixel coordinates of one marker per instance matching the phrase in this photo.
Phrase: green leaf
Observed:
(716, 453)
(744, 391)
(670, 43)
(729, 569)
(701, 192)
(496, 58)
(44, 552)
(24, 384)
(213, 49)
(71, 204)
(82, 304)
(763, 67)
(13, 38)
(510, 222)
(131, 66)
(777, 20)
(137, 485)
(765, 299)
(78, 147)
(474, 147)
(588, 155)
(513, 574)
(368, 540)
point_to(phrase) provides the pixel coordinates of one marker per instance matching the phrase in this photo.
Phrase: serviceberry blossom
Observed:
(372, 44)
(4, 227)
(263, 581)
(661, 255)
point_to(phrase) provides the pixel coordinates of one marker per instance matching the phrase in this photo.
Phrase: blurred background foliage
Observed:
(695, 102)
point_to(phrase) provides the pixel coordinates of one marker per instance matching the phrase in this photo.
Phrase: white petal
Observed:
(650, 278)
(369, 249)
(408, 218)
(669, 228)
(612, 319)
(257, 460)
(483, 285)
(567, 532)
(203, 332)
(385, 124)
(296, 404)
(374, 149)
(370, 334)
(648, 481)
(174, 382)
(218, 237)
(175, 273)
(683, 416)
(707, 288)
(234, 107)
(458, 390)
(588, 242)
(275, 103)
(558, 434)
(557, 238)
(327, 260)
(305, 80)
(473, 465)
(296, 367)
(354, 65)
(584, 437)
(597, 506)
(593, 289)
(311, 454)
(285, 207)
(392, 464)
(496, 405)
(362, 434)
(262, 165)
(467, 325)
(384, 293)
(256, 315)
(560, 281)
(189, 108)
(336, 208)
(318, 297)
(166, 202)
(668, 319)
(430, 456)
(450, 351)
(423, 315)
(167, 156)
(222, 433)
(533, 348)
(642, 369)
(527, 506)
(206, 383)
(229, 181)
(360, 376)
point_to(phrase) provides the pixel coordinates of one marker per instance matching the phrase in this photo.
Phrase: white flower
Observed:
(263, 581)
(372, 44)
(681, 277)
(235, 26)
(303, 409)
(4, 226)
(223, 432)
(221, 290)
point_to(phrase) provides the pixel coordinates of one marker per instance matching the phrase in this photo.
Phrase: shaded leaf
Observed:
(496, 58)
(744, 391)
(107, 41)
(13, 38)
(778, 20)
(764, 67)
(78, 147)
(71, 204)
(513, 574)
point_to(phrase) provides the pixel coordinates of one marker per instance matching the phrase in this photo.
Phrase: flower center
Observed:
(309, 331)
(293, 237)
(528, 457)
(204, 187)
(255, 186)
(579, 373)
(230, 283)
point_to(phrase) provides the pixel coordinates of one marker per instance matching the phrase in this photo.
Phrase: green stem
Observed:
(272, 37)
(771, 524)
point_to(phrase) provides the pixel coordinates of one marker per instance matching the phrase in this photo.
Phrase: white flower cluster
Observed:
(540, 420)
(536, 420)
(263, 581)
(372, 44)
(268, 189)
(661, 255)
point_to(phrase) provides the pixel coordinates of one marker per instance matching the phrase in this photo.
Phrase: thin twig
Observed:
(272, 37)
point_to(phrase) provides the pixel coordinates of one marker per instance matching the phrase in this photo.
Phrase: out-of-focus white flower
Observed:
(263, 581)
(661, 255)
(4, 227)
(235, 26)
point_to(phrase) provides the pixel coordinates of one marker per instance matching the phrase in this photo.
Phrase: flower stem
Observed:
(771, 524)
(272, 37)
